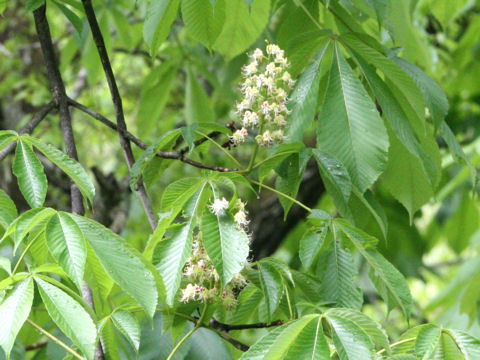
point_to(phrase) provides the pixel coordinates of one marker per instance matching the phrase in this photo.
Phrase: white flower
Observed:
(286, 77)
(270, 69)
(265, 107)
(251, 93)
(267, 138)
(257, 55)
(241, 218)
(189, 293)
(281, 95)
(273, 49)
(237, 138)
(244, 104)
(219, 205)
(249, 119)
(269, 83)
(250, 68)
(277, 135)
(280, 120)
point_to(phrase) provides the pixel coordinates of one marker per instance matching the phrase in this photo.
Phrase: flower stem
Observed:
(188, 334)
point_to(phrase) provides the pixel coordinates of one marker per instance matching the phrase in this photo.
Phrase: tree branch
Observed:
(29, 127)
(117, 104)
(227, 327)
(61, 100)
(174, 155)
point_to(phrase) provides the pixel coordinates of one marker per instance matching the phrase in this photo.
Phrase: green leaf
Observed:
(299, 339)
(336, 179)
(30, 175)
(70, 317)
(68, 165)
(124, 264)
(177, 193)
(310, 245)
(303, 100)
(279, 154)
(7, 137)
(374, 330)
(349, 126)
(14, 311)
(67, 245)
(207, 345)
(269, 281)
(389, 282)
(71, 16)
(158, 20)
(242, 26)
(32, 5)
(427, 340)
(350, 340)
(204, 20)
(434, 97)
(337, 272)
(8, 210)
(198, 108)
(128, 325)
(456, 149)
(156, 88)
(405, 177)
(226, 245)
(469, 346)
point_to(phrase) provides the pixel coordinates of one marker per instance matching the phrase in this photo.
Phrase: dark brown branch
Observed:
(117, 104)
(174, 155)
(61, 100)
(239, 345)
(228, 327)
(36, 346)
(29, 127)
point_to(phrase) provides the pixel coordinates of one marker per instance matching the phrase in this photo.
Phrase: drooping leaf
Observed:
(66, 243)
(303, 100)
(335, 177)
(349, 125)
(242, 26)
(337, 272)
(69, 316)
(124, 264)
(198, 108)
(30, 175)
(68, 165)
(269, 281)
(389, 282)
(14, 311)
(8, 210)
(226, 245)
(311, 244)
(158, 20)
(128, 325)
(204, 20)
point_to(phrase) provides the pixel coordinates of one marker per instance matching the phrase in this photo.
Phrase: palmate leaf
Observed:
(14, 310)
(350, 127)
(198, 108)
(123, 263)
(303, 100)
(176, 249)
(389, 282)
(427, 340)
(203, 19)
(226, 245)
(299, 339)
(32, 180)
(69, 316)
(68, 165)
(128, 325)
(7, 137)
(242, 26)
(67, 245)
(177, 193)
(310, 245)
(468, 345)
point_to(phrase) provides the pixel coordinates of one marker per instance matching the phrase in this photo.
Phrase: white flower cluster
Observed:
(264, 104)
(204, 282)
(240, 216)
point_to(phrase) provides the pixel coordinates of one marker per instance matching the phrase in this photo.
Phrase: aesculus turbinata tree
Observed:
(239, 179)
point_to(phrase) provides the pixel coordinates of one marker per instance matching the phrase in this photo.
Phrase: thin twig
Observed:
(55, 339)
(174, 155)
(61, 99)
(29, 127)
(117, 104)
(36, 346)
(228, 327)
